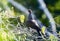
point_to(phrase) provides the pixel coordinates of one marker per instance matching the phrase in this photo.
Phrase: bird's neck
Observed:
(30, 17)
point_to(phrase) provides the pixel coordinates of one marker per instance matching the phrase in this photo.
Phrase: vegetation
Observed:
(11, 29)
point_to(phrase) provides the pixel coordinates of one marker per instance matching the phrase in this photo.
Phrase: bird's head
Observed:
(30, 11)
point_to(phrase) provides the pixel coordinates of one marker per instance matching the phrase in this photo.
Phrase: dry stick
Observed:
(49, 16)
(24, 10)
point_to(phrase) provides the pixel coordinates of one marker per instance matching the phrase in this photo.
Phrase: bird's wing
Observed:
(34, 21)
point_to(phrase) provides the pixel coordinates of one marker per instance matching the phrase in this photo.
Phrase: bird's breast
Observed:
(33, 24)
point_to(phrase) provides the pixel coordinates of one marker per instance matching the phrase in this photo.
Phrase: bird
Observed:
(31, 22)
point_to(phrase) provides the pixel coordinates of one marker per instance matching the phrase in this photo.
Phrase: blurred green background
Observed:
(52, 5)
(5, 14)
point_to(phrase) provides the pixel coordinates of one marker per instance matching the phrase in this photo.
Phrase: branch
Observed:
(19, 6)
(48, 14)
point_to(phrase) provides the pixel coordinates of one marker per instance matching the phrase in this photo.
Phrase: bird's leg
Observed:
(39, 33)
(40, 36)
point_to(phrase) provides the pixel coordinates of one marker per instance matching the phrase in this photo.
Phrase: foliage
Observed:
(7, 28)
(52, 38)
(9, 21)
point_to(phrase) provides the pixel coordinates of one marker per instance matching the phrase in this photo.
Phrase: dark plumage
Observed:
(31, 22)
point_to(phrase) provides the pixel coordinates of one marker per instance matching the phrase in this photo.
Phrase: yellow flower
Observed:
(51, 36)
(43, 29)
(22, 18)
